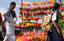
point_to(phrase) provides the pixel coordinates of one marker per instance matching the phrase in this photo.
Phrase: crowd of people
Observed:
(10, 20)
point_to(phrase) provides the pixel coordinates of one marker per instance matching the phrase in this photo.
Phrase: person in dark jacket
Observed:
(56, 34)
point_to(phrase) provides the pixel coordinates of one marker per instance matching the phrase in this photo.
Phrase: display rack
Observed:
(35, 21)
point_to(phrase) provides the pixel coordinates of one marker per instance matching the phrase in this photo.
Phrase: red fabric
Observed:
(0, 18)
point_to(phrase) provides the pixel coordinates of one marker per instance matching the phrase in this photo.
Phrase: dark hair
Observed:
(12, 3)
(56, 6)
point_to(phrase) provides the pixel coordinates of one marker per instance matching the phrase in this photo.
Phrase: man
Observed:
(10, 23)
(56, 34)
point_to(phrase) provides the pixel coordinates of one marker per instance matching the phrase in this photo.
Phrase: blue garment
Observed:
(54, 36)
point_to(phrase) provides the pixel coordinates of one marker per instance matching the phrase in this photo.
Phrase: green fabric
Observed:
(61, 23)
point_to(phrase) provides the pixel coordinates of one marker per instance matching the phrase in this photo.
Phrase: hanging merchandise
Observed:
(62, 13)
(53, 1)
(35, 21)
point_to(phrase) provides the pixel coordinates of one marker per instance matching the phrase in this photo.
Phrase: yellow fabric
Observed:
(62, 13)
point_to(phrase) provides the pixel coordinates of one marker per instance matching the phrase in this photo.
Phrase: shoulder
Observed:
(6, 13)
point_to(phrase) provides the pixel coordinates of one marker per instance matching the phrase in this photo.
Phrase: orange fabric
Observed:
(52, 1)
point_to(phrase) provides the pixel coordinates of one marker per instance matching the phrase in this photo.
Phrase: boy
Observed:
(10, 15)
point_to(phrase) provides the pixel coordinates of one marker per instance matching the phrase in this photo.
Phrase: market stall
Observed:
(35, 21)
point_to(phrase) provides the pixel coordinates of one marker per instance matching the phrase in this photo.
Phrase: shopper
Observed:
(56, 34)
(10, 16)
